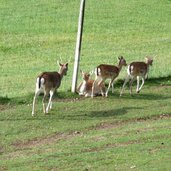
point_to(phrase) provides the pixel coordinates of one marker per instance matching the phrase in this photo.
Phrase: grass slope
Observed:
(90, 134)
(127, 133)
(34, 34)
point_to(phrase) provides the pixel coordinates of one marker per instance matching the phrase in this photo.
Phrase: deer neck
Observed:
(148, 65)
(119, 67)
(61, 73)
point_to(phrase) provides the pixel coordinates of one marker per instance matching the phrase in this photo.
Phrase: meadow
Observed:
(114, 133)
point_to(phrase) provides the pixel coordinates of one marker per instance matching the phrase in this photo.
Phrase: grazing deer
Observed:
(85, 87)
(49, 82)
(105, 71)
(137, 70)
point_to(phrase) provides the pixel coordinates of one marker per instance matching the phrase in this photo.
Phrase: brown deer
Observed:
(85, 87)
(48, 82)
(137, 70)
(104, 71)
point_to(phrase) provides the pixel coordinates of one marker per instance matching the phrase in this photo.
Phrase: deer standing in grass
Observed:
(104, 71)
(48, 82)
(85, 87)
(137, 70)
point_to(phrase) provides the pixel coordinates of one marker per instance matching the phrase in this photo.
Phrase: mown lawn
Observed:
(34, 34)
(131, 132)
(114, 133)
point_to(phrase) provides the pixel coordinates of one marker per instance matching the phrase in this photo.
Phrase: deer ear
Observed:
(146, 58)
(119, 58)
(66, 64)
(91, 73)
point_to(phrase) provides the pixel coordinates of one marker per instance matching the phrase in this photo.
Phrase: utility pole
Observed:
(78, 45)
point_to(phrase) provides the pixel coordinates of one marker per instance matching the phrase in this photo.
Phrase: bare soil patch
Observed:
(162, 86)
(45, 140)
(119, 123)
(4, 107)
(1, 149)
(7, 106)
(40, 141)
(115, 145)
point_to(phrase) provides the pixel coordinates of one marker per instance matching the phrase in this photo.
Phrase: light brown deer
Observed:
(85, 87)
(105, 71)
(137, 70)
(48, 82)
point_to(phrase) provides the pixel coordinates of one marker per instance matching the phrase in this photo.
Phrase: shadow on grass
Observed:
(4, 100)
(144, 96)
(28, 99)
(114, 113)
(101, 113)
(69, 95)
(79, 115)
(150, 81)
(16, 100)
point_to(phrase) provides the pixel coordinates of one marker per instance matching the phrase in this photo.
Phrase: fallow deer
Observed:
(105, 71)
(85, 87)
(137, 70)
(48, 82)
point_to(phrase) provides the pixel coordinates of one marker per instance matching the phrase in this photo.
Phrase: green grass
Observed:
(101, 133)
(34, 34)
(127, 133)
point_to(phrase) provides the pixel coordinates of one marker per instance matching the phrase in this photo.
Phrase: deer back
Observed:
(51, 79)
(107, 71)
(138, 69)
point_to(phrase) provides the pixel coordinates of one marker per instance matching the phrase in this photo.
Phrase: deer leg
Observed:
(102, 88)
(125, 82)
(111, 82)
(43, 102)
(93, 86)
(112, 86)
(34, 101)
(141, 85)
(50, 105)
(88, 94)
(131, 82)
(50, 101)
(138, 84)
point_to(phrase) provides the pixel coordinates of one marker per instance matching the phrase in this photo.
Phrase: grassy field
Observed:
(34, 34)
(127, 133)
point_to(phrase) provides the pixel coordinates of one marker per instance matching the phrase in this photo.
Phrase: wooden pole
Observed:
(78, 45)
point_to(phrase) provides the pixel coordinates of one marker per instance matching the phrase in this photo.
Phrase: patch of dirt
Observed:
(36, 142)
(165, 85)
(1, 149)
(18, 153)
(46, 140)
(77, 99)
(165, 116)
(123, 144)
(119, 123)
(162, 86)
(115, 145)
(3, 168)
(99, 138)
(4, 107)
